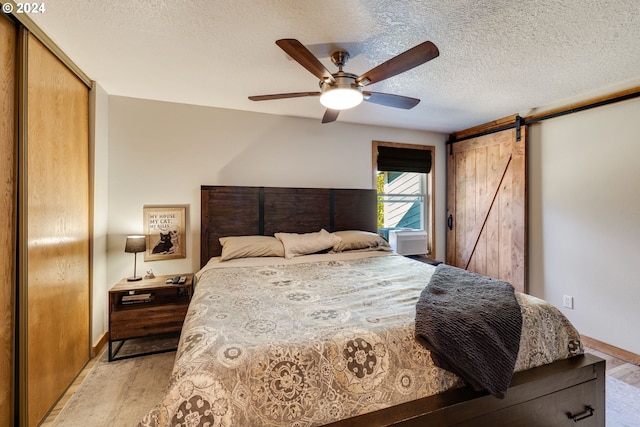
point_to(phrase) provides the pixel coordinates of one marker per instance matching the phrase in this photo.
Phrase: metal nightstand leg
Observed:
(113, 353)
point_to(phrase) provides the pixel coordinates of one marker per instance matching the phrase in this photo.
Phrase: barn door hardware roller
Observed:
(519, 123)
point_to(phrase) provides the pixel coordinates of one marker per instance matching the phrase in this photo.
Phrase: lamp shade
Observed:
(135, 244)
(341, 98)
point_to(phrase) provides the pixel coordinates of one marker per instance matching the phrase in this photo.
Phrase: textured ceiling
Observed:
(497, 57)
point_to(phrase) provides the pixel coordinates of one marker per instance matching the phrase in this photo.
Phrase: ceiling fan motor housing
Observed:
(342, 81)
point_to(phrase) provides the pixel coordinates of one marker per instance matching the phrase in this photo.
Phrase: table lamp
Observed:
(134, 245)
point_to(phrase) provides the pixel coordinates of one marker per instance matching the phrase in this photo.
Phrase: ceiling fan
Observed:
(342, 90)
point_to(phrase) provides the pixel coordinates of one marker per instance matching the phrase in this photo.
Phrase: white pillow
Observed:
(250, 246)
(307, 243)
(352, 240)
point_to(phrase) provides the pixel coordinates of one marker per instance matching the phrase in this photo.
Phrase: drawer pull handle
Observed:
(588, 412)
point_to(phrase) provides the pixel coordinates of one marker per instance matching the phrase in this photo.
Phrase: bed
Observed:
(329, 338)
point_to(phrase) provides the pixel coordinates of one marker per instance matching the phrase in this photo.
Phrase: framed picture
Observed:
(164, 227)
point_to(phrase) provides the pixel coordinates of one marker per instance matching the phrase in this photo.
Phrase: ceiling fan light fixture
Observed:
(341, 98)
(343, 94)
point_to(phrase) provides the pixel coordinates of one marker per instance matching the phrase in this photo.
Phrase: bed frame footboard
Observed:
(563, 392)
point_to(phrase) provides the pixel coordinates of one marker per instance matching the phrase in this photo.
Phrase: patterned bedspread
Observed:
(308, 343)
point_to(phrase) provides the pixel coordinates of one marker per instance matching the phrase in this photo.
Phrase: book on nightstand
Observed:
(137, 298)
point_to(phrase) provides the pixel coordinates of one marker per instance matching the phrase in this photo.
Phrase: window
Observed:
(404, 181)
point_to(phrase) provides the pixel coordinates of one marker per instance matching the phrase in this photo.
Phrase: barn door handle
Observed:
(450, 222)
(588, 412)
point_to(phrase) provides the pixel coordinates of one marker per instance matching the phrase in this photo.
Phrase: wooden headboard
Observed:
(240, 211)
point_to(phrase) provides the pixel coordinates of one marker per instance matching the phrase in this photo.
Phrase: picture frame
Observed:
(165, 230)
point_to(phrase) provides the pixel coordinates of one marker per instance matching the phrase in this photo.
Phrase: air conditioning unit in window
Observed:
(408, 242)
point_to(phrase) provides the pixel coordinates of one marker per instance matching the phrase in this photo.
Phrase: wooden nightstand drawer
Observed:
(146, 321)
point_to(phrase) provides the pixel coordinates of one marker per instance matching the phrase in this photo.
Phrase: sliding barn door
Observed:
(55, 270)
(8, 39)
(486, 206)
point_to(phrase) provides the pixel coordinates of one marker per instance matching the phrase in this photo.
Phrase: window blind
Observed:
(393, 159)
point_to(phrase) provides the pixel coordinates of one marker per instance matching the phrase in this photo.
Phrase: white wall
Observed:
(161, 153)
(584, 223)
(99, 110)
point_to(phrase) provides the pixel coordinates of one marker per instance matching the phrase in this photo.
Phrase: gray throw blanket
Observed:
(471, 324)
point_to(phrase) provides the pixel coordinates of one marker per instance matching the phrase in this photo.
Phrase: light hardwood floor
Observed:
(617, 368)
(51, 417)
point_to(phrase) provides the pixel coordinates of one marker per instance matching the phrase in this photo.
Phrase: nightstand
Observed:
(148, 307)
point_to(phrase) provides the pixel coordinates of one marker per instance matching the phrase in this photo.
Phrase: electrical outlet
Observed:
(567, 301)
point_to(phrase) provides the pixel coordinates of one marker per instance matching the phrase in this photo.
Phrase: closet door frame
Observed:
(8, 217)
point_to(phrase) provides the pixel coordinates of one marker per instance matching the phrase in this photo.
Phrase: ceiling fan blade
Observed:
(407, 60)
(396, 101)
(330, 115)
(304, 57)
(283, 96)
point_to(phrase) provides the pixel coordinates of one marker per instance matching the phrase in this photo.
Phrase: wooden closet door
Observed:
(57, 217)
(8, 37)
(486, 206)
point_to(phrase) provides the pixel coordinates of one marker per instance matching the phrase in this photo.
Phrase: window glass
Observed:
(401, 201)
